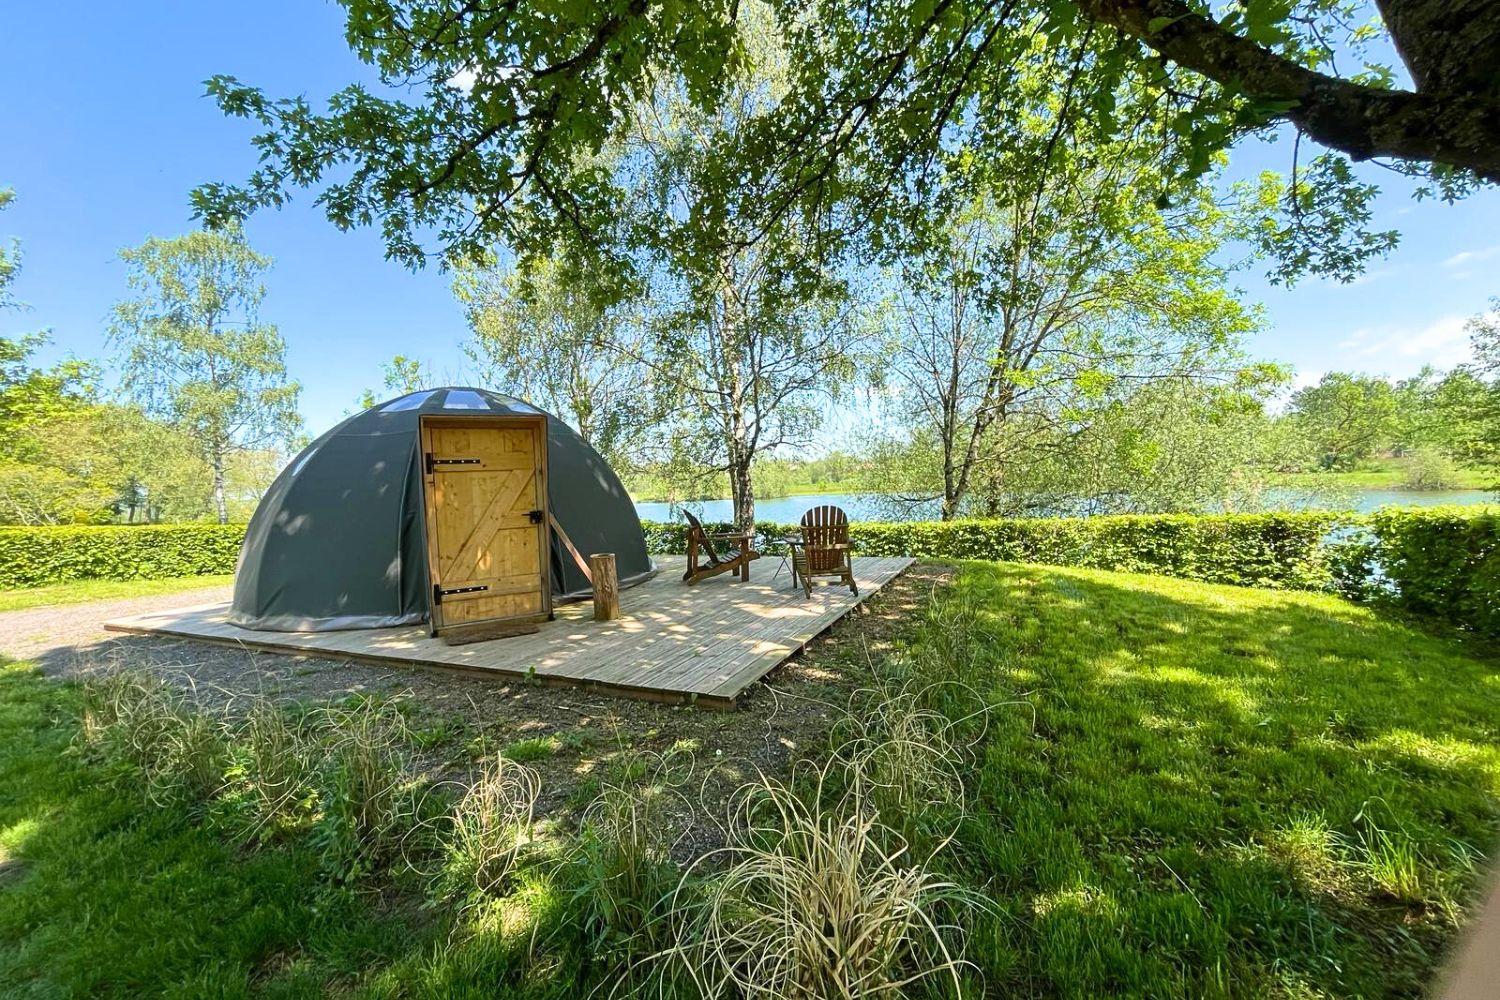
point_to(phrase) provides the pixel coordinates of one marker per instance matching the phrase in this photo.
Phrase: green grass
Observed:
(1180, 790)
(80, 591)
(1387, 475)
(103, 892)
(1191, 790)
(108, 894)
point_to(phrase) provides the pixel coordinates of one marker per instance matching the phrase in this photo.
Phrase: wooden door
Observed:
(487, 543)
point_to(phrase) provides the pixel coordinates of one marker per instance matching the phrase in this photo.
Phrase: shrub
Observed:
(1281, 550)
(1442, 561)
(1428, 469)
(32, 557)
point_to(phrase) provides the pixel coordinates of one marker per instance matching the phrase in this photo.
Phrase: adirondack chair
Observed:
(700, 545)
(825, 549)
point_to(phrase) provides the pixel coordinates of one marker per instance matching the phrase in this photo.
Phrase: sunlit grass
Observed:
(79, 591)
(1188, 790)
(1053, 783)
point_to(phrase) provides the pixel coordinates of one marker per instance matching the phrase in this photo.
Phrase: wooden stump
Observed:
(606, 586)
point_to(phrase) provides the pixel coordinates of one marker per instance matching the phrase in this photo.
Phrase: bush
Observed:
(32, 557)
(1442, 561)
(1283, 551)
(1428, 469)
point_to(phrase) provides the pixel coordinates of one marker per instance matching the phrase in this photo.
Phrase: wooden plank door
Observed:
(485, 483)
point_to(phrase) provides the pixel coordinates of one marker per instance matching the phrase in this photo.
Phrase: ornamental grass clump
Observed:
(273, 776)
(482, 837)
(621, 867)
(814, 897)
(369, 799)
(135, 718)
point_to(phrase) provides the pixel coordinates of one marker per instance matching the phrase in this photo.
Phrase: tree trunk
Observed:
(743, 492)
(220, 507)
(1450, 46)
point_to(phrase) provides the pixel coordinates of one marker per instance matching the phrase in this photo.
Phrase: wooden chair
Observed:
(700, 542)
(825, 548)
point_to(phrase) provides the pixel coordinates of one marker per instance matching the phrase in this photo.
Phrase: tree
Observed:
(488, 111)
(1347, 416)
(401, 375)
(195, 352)
(541, 335)
(1060, 285)
(751, 327)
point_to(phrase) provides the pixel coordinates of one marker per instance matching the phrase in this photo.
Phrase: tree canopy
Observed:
(488, 122)
(195, 352)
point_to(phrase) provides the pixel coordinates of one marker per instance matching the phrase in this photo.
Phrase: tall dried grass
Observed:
(482, 837)
(135, 717)
(816, 898)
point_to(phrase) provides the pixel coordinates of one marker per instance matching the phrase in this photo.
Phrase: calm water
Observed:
(866, 507)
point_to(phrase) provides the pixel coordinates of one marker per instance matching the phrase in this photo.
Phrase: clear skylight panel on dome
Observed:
(464, 399)
(408, 402)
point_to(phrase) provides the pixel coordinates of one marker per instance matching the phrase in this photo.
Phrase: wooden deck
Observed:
(703, 644)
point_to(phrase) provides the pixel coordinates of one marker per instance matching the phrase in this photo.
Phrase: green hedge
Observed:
(1283, 551)
(31, 557)
(1440, 561)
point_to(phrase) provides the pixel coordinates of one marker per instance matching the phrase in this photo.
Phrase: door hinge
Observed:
(438, 593)
(433, 461)
(535, 516)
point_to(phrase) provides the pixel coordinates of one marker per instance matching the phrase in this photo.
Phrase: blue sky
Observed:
(105, 131)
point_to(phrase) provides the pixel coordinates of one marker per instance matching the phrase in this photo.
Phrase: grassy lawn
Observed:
(1204, 791)
(1390, 476)
(80, 591)
(1173, 790)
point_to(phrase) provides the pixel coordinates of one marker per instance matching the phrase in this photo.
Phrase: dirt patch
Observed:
(576, 739)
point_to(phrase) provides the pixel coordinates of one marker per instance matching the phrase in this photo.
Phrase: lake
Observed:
(868, 507)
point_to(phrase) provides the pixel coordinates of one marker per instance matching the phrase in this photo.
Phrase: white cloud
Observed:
(1301, 380)
(1443, 343)
(1471, 256)
(463, 80)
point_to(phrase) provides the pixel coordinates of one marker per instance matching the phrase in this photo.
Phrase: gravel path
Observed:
(69, 629)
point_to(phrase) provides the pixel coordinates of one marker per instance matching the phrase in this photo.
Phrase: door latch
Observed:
(535, 516)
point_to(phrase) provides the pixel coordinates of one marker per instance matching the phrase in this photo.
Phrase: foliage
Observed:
(486, 122)
(196, 353)
(752, 328)
(1347, 416)
(1427, 468)
(541, 335)
(10, 257)
(401, 375)
(1442, 561)
(31, 557)
(1055, 284)
(1261, 550)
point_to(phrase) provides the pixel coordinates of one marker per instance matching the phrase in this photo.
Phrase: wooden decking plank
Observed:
(704, 644)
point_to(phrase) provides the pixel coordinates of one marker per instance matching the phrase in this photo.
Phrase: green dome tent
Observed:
(340, 540)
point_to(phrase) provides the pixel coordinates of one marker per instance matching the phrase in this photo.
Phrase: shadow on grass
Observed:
(1222, 791)
(104, 893)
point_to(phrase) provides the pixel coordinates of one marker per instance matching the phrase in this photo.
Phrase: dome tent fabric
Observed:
(339, 540)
